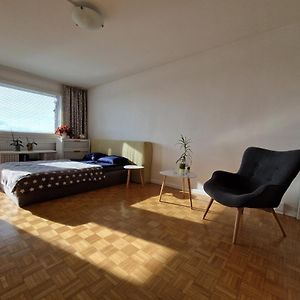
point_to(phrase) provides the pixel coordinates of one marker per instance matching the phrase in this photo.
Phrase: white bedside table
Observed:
(129, 168)
(173, 173)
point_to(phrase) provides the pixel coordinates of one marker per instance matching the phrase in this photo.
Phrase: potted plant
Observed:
(29, 144)
(185, 156)
(17, 143)
(63, 131)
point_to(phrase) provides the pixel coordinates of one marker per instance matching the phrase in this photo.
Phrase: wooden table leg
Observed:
(162, 187)
(128, 178)
(141, 175)
(183, 188)
(190, 192)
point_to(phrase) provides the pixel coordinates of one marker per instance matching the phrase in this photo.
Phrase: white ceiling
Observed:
(38, 36)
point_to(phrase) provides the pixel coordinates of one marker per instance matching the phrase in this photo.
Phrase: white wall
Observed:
(242, 94)
(27, 80)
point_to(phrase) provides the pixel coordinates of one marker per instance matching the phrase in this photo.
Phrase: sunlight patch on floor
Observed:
(174, 206)
(117, 253)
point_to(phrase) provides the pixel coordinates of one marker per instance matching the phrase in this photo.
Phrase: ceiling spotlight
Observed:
(87, 18)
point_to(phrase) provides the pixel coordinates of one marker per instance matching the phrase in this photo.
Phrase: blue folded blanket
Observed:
(114, 160)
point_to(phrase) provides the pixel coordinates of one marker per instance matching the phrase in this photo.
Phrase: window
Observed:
(27, 111)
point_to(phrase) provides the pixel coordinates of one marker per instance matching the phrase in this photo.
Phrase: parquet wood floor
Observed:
(119, 243)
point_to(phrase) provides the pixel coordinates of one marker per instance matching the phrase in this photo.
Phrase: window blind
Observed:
(27, 111)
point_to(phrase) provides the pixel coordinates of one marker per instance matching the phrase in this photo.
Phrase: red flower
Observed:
(63, 129)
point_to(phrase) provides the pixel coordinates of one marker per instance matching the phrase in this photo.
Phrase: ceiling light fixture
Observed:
(86, 17)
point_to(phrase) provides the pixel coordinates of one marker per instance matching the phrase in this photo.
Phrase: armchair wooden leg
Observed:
(237, 224)
(208, 207)
(278, 222)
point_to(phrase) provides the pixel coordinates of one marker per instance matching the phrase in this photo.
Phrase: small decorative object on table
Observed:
(64, 131)
(17, 143)
(185, 158)
(29, 144)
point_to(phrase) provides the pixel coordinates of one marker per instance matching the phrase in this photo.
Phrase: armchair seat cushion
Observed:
(229, 189)
(234, 190)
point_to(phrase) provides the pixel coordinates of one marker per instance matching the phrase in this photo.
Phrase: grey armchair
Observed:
(263, 178)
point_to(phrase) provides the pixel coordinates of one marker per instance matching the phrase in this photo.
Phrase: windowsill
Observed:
(4, 134)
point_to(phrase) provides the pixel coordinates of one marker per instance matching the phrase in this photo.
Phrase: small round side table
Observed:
(173, 173)
(129, 168)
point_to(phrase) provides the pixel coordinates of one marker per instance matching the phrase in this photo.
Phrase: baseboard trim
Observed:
(174, 186)
(201, 192)
(286, 213)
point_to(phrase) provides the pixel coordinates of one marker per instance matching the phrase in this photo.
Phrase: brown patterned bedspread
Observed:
(57, 179)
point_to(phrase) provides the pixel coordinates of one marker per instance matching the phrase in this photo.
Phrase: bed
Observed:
(29, 182)
(36, 181)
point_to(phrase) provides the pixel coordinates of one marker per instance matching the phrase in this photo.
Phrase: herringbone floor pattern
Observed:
(119, 243)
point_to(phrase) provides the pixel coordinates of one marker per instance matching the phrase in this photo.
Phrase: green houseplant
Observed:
(17, 143)
(184, 144)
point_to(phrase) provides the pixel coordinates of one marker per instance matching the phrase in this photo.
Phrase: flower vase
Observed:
(64, 135)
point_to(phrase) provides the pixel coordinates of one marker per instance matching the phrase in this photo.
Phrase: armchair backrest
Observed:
(267, 166)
